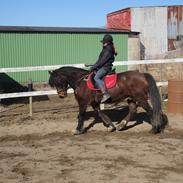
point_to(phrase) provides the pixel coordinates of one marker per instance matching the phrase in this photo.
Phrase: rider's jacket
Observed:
(106, 57)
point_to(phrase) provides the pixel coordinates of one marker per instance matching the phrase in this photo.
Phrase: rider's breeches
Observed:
(98, 79)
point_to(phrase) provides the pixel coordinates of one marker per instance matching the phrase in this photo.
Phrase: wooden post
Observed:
(30, 98)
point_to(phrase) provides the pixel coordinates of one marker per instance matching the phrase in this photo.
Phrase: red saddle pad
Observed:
(109, 80)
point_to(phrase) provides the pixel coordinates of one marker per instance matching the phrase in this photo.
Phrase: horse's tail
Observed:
(159, 120)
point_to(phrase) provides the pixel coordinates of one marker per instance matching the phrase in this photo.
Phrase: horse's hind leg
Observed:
(106, 120)
(132, 110)
(146, 106)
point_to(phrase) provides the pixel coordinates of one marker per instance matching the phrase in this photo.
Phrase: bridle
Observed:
(63, 91)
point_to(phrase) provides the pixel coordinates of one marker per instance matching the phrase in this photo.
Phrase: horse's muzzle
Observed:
(62, 93)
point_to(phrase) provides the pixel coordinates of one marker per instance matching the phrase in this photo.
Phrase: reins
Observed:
(83, 77)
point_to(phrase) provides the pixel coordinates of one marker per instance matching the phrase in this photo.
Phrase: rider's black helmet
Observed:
(107, 39)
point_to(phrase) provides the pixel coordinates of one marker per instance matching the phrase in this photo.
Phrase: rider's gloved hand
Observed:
(93, 68)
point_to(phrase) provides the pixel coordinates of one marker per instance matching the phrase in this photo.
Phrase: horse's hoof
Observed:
(121, 126)
(151, 131)
(77, 132)
(156, 130)
(111, 129)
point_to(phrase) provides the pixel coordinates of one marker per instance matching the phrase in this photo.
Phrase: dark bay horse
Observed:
(137, 87)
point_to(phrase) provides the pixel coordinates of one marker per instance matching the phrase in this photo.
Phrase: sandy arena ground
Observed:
(42, 149)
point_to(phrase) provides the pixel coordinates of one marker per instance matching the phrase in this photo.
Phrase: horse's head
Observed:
(60, 82)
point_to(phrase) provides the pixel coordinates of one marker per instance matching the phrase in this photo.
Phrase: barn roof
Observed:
(62, 30)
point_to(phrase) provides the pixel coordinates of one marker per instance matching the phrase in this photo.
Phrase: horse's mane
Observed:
(70, 69)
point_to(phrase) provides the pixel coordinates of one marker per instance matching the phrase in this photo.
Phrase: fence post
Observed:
(30, 98)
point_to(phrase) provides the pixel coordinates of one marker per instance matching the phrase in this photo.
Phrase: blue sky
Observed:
(67, 13)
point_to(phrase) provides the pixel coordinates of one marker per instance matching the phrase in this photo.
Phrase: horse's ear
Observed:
(53, 73)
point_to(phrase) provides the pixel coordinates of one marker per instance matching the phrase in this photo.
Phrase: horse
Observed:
(135, 87)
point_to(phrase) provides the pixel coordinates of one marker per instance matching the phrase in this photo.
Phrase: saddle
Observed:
(109, 80)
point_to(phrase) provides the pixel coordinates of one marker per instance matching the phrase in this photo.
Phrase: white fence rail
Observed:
(30, 94)
(47, 92)
(117, 63)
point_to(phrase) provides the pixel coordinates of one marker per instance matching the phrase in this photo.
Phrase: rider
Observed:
(104, 64)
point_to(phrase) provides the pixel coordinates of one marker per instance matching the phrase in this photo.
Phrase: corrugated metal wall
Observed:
(175, 21)
(36, 49)
(175, 25)
(152, 23)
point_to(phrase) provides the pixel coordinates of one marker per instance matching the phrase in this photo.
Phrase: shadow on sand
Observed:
(117, 115)
(9, 85)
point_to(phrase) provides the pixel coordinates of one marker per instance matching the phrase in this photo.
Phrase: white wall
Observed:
(152, 23)
(133, 51)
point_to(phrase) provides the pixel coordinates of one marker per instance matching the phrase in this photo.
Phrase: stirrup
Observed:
(105, 98)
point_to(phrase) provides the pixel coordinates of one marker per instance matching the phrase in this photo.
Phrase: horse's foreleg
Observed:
(96, 108)
(82, 111)
(132, 110)
(106, 120)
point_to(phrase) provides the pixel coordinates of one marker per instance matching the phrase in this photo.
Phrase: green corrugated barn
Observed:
(42, 46)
